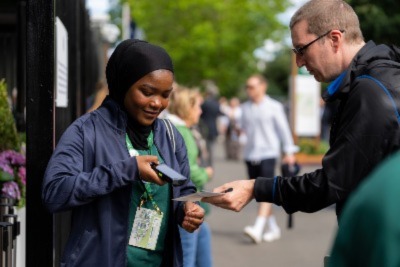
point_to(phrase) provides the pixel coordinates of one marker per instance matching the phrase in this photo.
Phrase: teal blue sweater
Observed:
(369, 229)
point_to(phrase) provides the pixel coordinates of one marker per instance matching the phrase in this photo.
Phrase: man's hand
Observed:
(289, 159)
(146, 172)
(194, 217)
(237, 199)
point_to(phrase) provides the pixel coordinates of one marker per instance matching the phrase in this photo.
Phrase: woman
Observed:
(185, 111)
(122, 212)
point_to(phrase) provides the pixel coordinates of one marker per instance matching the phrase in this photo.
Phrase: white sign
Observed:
(307, 106)
(61, 65)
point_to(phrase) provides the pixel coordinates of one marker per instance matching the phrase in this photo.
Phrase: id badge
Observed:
(145, 229)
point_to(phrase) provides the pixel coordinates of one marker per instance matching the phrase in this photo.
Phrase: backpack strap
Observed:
(387, 92)
(170, 132)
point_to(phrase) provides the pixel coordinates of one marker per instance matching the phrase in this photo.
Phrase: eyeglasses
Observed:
(300, 50)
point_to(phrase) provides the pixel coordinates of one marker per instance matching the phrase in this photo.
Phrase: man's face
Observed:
(319, 58)
(255, 88)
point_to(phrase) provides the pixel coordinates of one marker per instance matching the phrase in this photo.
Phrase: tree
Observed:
(380, 20)
(278, 73)
(210, 39)
(8, 130)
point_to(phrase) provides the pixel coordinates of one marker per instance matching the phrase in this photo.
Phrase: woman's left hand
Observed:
(194, 217)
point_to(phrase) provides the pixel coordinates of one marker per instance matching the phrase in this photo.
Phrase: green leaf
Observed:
(5, 176)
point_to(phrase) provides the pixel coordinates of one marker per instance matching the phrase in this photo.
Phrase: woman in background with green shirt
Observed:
(185, 111)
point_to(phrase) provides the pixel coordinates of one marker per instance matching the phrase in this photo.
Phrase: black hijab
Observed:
(131, 60)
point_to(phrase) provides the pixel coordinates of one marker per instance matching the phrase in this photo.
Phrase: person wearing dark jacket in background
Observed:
(208, 120)
(365, 79)
(122, 213)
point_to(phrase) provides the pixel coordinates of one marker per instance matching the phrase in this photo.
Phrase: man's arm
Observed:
(308, 193)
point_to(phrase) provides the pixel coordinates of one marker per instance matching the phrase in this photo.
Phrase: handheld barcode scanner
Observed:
(168, 174)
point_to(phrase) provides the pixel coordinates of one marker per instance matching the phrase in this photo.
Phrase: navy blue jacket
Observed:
(91, 173)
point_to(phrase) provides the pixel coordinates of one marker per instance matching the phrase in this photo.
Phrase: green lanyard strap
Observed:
(150, 144)
(147, 194)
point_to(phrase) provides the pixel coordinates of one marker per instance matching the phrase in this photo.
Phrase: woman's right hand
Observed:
(146, 173)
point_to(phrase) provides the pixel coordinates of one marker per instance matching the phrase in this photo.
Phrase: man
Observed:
(265, 125)
(365, 78)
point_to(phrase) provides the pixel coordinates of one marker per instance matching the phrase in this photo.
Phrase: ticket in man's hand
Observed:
(197, 196)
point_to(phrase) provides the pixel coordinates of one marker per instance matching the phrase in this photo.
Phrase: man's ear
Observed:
(336, 39)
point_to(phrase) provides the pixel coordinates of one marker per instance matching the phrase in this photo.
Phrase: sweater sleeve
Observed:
(188, 187)
(198, 174)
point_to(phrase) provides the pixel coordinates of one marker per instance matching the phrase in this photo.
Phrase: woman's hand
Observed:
(194, 217)
(146, 172)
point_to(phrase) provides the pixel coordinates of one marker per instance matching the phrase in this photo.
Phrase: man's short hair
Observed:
(325, 15)
(260, 77)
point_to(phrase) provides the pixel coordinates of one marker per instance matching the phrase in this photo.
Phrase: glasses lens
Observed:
(298, 51)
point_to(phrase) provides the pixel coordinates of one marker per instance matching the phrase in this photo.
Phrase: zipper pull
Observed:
(158, 210)
(142, 201)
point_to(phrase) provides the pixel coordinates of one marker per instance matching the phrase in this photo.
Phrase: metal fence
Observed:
(9, 230)
(27, 63)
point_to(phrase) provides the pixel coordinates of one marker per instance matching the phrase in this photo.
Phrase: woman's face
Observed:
(146, 98)
(196, 112)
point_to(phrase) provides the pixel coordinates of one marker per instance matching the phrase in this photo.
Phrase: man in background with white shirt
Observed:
(265, 124)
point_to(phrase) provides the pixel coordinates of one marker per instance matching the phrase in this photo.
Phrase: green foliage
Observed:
(5, 177)
(278, 72)
(8, 130)
(312, 147)
(379, 20)
(210, 39)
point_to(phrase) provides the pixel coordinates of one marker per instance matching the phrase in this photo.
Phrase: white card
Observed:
(197, 196)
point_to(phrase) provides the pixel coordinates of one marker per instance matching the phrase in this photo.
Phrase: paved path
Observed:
(305, 244)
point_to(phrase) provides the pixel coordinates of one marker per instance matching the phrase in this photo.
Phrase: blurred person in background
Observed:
(328, 110)
(233, 133)
(223, 120)
(95, 100)
(265, 125)
(185, 111)
(208, 120)
(122, 213)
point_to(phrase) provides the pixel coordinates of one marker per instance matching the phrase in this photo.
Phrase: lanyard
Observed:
(147, 194)
(150, 143)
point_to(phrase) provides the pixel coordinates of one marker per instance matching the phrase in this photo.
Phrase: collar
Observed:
(335, 85)
(176, 120)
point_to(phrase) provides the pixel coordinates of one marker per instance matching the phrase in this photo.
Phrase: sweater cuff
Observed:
(264, 189)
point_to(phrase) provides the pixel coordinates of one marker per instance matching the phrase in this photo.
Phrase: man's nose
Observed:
(299, 61)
